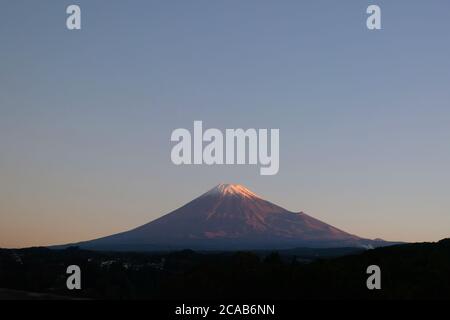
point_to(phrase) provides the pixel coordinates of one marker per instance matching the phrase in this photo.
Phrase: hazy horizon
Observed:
(86, 116)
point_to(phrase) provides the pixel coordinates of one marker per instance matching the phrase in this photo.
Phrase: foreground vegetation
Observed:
(409, 271)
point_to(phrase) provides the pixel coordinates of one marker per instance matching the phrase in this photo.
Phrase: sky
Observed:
(86, 116)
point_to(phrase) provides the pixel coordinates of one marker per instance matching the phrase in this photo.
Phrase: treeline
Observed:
(409, 271)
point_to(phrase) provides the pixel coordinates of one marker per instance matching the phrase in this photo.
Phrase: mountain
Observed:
(230, 217)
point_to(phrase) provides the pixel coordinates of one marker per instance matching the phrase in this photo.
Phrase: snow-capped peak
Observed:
(227, 189)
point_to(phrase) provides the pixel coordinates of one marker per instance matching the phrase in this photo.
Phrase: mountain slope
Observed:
(228, 217)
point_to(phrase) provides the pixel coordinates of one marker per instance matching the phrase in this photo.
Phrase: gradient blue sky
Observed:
(86, 116)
